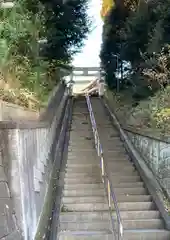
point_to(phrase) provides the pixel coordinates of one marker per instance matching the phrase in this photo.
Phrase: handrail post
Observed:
(109, 195)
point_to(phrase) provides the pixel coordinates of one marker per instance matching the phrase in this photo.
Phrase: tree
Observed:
(63, 25)
(66, 27)
(138, 34)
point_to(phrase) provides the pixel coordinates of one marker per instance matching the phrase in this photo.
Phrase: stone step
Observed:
(105, 225)
(104, 215)
(153, 234)
(100, 192)
(101, 199)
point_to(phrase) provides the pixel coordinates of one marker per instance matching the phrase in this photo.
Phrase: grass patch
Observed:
(152, 113)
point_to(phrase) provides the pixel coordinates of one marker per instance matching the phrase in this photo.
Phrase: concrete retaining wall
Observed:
(27, 155)
(10, 111)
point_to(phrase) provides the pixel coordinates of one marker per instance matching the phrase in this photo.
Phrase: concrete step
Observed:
(88, 207)
(105, 225)
(91, 168)
(84, 144)
(114, 148)
(116, 152)
(120, 198)
(127, 179)
(83, 165)
(83, 170)
(115, 176)
(81, 192)
(150, 234)
(91, 163)
(128, 206)
(98, 179)
(87, 151)
(78, 157)
(130, 191)
(101, 185)
(77, 154)
(83, 161)
(127, 184)
(81, 125)
(84, 186)
(153, 234)
(81, 180)
(83, 175)
(104, 215)
(100, 192)
(108, 144)
(87, 199)
(81, 129)
(74, 136)
(85, 226)
(77, 137)
(123, 173)
(136, 206)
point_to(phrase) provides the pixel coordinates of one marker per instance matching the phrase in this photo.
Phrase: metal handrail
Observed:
(105, 178)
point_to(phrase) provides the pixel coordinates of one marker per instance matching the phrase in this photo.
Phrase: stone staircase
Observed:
(85, 212)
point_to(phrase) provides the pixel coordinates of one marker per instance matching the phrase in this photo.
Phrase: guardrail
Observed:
(118, 234)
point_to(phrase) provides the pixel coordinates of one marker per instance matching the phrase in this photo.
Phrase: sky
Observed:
(89, 57)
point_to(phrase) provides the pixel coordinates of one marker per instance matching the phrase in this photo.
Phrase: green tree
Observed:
(66, 27)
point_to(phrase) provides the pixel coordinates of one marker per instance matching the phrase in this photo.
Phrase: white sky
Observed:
(89, 57)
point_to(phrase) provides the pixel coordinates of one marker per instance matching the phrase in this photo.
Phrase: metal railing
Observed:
(118, 233)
